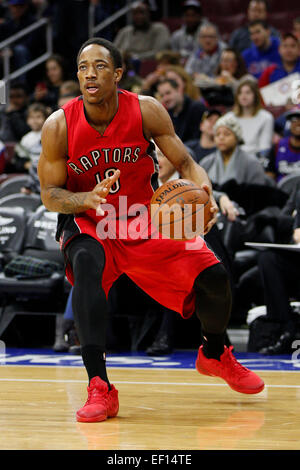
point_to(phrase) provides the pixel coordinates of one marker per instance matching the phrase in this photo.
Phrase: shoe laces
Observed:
(96, 395)
(231, 363)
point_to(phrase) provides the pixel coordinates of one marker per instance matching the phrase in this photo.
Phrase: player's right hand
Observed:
(98, 195)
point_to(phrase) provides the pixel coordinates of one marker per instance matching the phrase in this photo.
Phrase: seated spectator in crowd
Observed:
(143, 38)
(3, 157)
(284, 157)
(240, 38)
(19, 18)
(296, 27)
(231, 69)
(206, 144)
(204, 60)
(67, 91)
(184, 80)
(185, 113)
(282, 124)
(183, 40)
(47, 92)
(163, 60)
(13, 119)
(289, 51)
(280, 272)
(264, 49)
(130, 80)
(230, 162)
(257, 123)
(28, 150)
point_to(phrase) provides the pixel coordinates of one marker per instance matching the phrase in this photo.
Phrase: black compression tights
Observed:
(89, 303)
(213, 307)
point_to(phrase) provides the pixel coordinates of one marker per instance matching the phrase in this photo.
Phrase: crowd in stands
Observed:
(215, 85)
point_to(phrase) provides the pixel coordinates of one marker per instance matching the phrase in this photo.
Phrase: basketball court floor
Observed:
(164, 404)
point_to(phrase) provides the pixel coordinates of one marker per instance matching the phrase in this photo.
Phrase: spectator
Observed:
(231, 69)
(284, 157)
(289, 51)
(163, 60)
(257, 123)
(279, 271)
(29, 148)
(3, 157)
(206, 144)
(204, 60)
(18, 19)
(264, 49)
(13, 118)
(185, 113)
(143, 38)
(183, 40)
(179, 75)
(296, 27)
(130, 80)
(240, 38)
(67, 91)
(47, 92)
(230, 162)
(283, 125)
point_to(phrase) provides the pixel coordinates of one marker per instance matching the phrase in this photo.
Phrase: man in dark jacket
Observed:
(185, 113)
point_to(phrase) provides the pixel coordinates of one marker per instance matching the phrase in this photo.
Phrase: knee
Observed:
(213, 279)
(87, 264)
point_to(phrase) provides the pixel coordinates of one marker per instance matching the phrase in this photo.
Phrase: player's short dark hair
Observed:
(262, 23)
(114, 52)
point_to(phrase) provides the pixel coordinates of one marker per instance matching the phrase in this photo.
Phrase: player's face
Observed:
(97, 76)
(225, 139)
(289, 50)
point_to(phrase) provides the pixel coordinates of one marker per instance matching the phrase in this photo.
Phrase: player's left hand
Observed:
(214, 208)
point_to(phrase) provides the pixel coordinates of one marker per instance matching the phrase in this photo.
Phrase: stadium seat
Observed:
(289, 182)
(39, 295)
(13, 185)
(30, 202)
(12, 233)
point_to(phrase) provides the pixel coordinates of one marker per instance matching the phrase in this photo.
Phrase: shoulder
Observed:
(266, 115)
(149, 104)
(159, 27)
(54, 131)
(207, 161)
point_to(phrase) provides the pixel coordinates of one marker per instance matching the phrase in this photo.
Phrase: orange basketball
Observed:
(180, 209)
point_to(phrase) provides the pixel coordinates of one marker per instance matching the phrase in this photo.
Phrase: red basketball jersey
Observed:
(93, 156)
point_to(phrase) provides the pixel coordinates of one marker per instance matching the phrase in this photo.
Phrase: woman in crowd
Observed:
(231, 69)
(257, 124)
(229, 162)
(47, 92)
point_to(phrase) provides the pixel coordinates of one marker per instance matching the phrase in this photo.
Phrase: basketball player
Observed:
(95, 149)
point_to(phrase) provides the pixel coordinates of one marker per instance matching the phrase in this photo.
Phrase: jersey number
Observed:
(109, 172)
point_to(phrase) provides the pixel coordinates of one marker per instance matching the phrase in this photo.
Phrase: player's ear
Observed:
(118, 74)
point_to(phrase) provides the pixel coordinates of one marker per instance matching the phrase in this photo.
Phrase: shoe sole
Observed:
(247, 391)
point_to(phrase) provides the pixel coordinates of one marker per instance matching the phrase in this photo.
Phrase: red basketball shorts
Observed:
(163, 268)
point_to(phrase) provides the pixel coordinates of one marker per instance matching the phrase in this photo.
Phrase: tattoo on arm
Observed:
(66, 202)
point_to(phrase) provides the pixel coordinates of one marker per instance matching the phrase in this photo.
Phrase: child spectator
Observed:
(29, 148)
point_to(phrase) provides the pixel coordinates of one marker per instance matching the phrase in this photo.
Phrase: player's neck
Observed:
(101, 114)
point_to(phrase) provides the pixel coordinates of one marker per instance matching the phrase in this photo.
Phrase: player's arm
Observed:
(52, 172)
(158, 126)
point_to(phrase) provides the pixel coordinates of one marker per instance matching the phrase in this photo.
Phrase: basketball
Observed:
(180, 209)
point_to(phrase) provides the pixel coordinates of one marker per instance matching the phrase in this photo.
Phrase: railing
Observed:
(5, 51)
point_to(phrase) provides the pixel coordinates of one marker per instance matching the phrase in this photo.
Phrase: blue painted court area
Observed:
(177, 360)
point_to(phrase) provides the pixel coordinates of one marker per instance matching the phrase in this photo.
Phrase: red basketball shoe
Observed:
(101, 403)
(228, 368)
